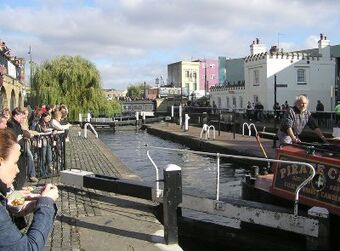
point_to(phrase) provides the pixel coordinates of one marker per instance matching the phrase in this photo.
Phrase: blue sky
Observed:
(133, 41)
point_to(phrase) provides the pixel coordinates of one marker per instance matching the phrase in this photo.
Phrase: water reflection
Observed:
(199, 172)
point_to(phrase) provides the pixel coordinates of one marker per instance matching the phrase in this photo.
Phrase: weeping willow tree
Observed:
(74, 81)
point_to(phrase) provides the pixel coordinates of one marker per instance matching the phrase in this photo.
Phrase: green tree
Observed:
(137, 91)
(74, 81)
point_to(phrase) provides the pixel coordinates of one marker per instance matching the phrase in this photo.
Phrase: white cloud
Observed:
(128, 33)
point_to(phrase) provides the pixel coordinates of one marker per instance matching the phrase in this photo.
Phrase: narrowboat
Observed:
(279, 185)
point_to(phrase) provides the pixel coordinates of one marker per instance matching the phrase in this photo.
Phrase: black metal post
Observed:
(219, 123)
(274, 140)
(205, 77)
(234, 123)
(63, 149)
(172, 197)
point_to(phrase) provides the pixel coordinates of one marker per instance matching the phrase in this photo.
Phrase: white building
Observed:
(305, 72)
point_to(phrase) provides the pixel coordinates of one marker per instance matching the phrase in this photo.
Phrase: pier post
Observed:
(322, 242)
(144, 117)
(186, 122)
(137, 120)
(180, 115)
(172, 197)
(172, 113)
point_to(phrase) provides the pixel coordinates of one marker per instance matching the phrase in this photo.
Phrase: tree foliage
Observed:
(137, 91)
(74, 81)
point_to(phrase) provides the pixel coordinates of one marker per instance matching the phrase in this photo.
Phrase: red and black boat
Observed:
(279, 186)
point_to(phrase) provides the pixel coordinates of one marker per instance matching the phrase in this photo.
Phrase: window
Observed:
(187, 74)
(212, 76)
(219, 102)
(241, 101)
(256, 77)
(228, 104)
(234, 102)
(212, 66)
(301, 76)
(195, 75)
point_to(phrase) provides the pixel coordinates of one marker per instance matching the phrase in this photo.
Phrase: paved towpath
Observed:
(93, 220)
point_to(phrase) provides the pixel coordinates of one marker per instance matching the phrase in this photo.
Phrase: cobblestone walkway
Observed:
(95, 220)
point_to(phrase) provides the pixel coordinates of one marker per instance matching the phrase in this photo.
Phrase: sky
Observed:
(132, 41)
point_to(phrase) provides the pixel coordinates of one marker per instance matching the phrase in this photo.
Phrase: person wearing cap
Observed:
(294, 121)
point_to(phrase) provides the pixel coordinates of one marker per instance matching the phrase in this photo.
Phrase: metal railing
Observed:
(92, 128)
(48, 150)
(219, 156)
(249, 126)
(325, 119)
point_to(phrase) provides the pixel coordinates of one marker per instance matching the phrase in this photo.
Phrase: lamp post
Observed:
(275, 87)
(30, 62)
(205, 77)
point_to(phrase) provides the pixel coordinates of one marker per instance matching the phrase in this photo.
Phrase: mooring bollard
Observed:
(172, 197)
(180, 115)
(172, 113)
(322, 242)
(186, 122)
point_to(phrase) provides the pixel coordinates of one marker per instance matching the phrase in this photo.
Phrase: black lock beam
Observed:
(119, 186)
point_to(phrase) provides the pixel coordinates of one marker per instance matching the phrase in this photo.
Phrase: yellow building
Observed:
(184, 74)
(12, 93)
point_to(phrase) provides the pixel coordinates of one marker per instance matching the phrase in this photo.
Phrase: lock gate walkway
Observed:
(94, 220)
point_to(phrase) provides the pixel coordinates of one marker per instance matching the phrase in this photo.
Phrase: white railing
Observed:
(249, 126)
(93, 130)
(206, 131)
(218, 156)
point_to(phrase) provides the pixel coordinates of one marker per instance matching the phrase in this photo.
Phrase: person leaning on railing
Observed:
(294, 121)
(45, 143)
(43, 205)
(55, 122)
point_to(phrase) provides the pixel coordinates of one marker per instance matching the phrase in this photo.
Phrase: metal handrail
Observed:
(213, 127)
(206, 131)
(93, 130)
(219, 155)
(249, 128)
(158, 191)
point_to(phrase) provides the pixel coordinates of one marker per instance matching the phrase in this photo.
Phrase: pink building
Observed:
(208, 73)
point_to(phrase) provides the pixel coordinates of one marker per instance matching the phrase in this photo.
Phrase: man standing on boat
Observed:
(294, 121)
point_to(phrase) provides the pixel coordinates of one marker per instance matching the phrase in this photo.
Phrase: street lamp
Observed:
(30, 62)
(205, 77)
(275, 87)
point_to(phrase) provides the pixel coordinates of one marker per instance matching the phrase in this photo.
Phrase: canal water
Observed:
(199, 179)
(199, 171)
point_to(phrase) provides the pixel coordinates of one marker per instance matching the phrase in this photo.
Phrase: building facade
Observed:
(194, 77)
(185, 75)
(309, 73)
(208, 74)
(12, 77)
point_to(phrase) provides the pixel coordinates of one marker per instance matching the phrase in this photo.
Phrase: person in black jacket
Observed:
(15, 124)
(319, 113)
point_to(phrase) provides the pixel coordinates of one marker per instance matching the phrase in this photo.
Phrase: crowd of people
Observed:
(17, 128)
(5, 56)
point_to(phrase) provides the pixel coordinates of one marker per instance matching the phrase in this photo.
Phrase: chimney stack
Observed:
(324, 47)
(257, 48)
